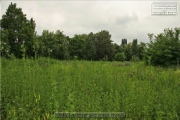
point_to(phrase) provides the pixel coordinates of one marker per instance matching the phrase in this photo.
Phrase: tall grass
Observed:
(36, 89)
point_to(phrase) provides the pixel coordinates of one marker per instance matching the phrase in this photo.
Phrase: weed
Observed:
(36, 89)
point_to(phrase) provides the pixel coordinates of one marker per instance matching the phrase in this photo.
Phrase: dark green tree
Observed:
(124, 42)
(116, 48)
(20, 31)
(46, 42)
(128, 51)
(141, 50)
(134, 47)
(60, 46)
(135, 56)
(104, 46)
(90, 48)
(36, 46)
(29, 36)
(54, 45)
(77, 46)
(4, 44)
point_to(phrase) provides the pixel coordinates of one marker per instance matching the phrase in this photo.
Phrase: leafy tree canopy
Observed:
(164, 48)
(18, 32)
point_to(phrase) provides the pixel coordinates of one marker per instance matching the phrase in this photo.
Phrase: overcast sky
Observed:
(123, 19)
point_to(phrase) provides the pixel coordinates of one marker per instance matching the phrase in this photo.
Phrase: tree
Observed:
(77, 46)
(134, 47)
(116, 48)
(20, 31)
(29, 38)
(46, 42)
(54, 45)
(36, 46)
(164, 48)
(90, 48)
(4, 44)
(124, 42)
(104, 46)
(128, 51)
(60, 46)
(141, 50)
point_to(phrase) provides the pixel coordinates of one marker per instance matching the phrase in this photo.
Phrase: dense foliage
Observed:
(164, 48)
(17, 33)
(19, 39)
(120, 57)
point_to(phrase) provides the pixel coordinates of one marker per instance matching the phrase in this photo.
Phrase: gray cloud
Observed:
(127, 19)
(131, 19)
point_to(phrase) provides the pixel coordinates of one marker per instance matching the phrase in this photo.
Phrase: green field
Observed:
(36, 89)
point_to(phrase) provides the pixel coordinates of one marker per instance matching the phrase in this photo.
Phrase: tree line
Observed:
(20, 40)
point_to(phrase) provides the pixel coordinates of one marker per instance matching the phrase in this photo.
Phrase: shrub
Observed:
(120, 57)
(135, 58)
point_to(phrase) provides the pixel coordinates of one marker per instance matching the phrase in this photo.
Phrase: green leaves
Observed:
(164, 49)
(20, 31)
(104, 46)
(55, 44)
(120, 57)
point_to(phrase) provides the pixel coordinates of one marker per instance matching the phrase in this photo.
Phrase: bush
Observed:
(135, 58)
(120, 57)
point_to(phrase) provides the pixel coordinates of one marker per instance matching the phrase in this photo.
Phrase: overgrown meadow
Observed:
(36, 89)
